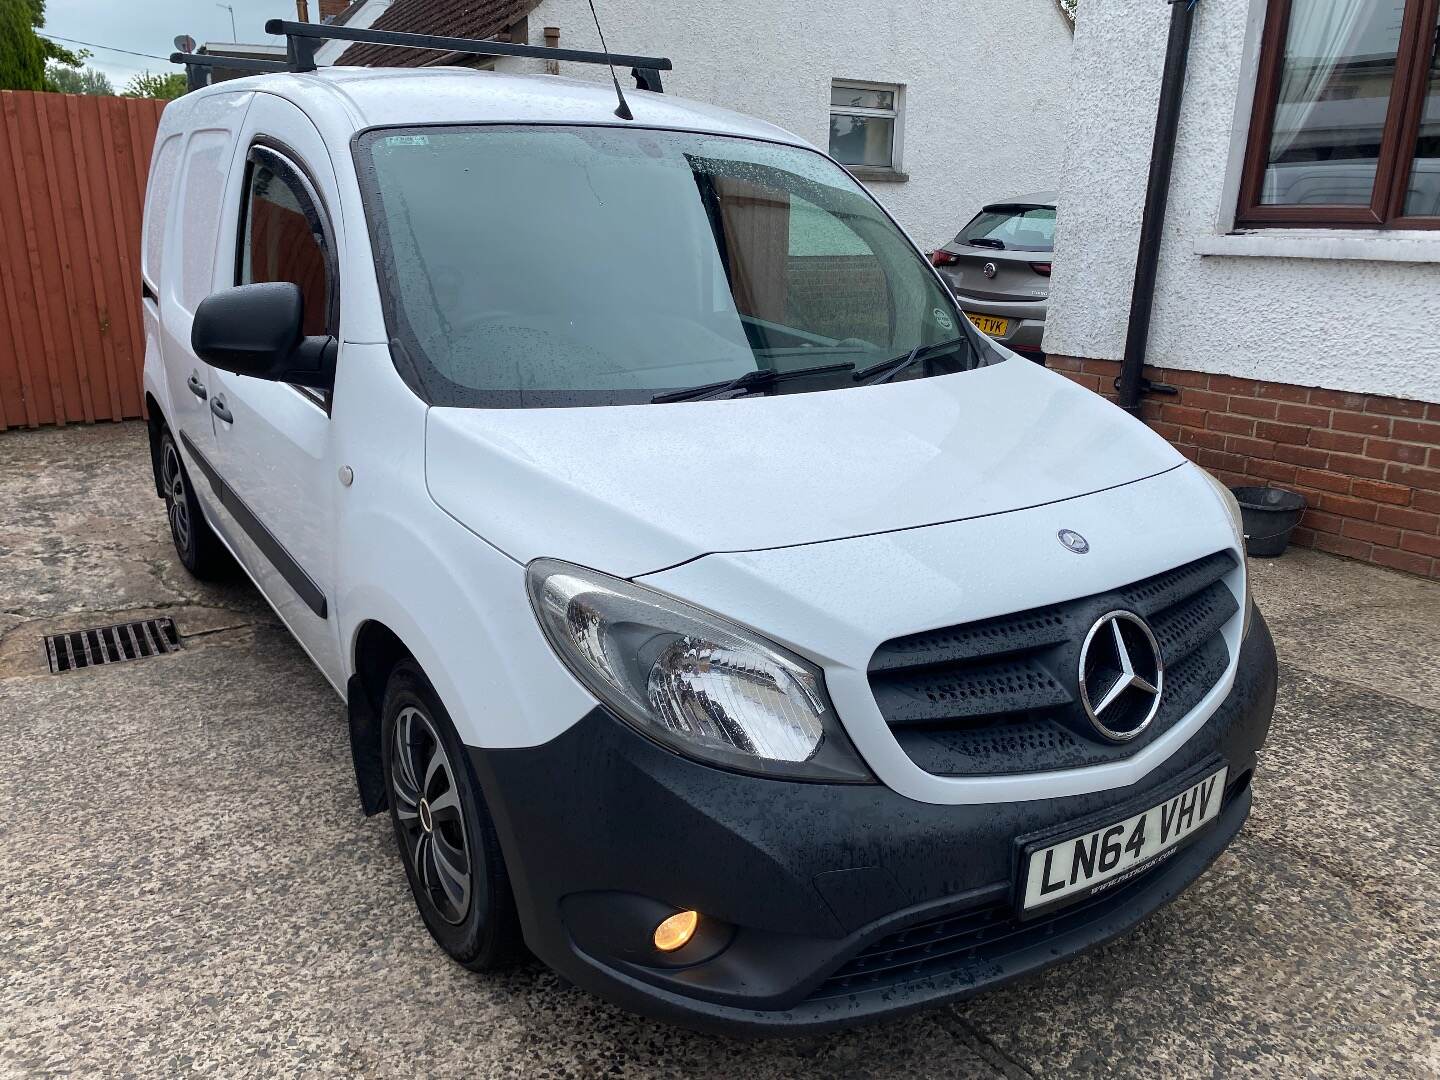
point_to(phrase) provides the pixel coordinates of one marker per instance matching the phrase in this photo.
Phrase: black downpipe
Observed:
(1157, 194)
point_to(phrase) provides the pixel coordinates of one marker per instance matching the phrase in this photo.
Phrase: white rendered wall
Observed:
(985, 81)
(1368, 321)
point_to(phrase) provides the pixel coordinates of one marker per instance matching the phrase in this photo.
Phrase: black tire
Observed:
(199, 549)
(469, 910)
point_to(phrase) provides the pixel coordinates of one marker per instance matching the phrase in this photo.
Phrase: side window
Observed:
(283, 238)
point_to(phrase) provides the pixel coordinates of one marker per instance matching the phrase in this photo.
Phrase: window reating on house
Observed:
(865, 124)
(1346, 125)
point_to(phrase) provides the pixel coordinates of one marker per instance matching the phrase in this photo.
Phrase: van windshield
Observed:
(560, 266)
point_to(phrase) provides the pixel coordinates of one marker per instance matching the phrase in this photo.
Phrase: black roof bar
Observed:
(195, 63)
(300, 40)
(232, 63)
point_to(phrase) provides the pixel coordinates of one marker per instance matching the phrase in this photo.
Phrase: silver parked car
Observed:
(998, 267)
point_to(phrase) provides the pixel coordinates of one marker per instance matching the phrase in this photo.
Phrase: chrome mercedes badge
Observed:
(989, 270)
(1121, 675)
(1073, 541)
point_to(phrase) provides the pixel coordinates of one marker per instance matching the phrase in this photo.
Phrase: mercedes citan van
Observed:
(721, 616)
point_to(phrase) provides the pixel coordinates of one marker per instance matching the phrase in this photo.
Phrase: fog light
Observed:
(676, 930)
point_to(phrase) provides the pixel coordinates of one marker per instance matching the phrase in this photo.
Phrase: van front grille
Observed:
(1001, 696)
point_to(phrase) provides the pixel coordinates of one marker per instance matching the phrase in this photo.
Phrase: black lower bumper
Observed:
(822, 904)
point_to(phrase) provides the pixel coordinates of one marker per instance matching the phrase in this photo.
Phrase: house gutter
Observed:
(1132, 382)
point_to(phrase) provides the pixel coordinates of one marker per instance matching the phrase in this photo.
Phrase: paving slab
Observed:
(187, 885)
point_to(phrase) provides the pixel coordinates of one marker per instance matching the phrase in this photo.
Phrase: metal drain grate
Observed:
(111, 644)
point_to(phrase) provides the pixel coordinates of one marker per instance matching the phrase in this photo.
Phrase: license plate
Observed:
(991, 325)
(1102, 859)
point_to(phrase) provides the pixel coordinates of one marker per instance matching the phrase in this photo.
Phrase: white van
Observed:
(720, 616)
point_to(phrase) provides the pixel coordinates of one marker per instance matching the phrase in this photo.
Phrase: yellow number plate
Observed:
(990, 324)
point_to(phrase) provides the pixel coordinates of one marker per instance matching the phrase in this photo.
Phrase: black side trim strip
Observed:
(262, 537)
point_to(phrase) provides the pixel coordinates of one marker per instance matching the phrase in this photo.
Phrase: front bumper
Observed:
(822, 904)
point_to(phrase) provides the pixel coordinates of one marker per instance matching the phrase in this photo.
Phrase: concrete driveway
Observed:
(187, 884)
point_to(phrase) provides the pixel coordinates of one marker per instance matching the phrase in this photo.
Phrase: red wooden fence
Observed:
(72, 183)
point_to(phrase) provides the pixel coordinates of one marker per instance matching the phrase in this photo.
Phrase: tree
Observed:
(69, 80)
(23, 52)
(164, 87)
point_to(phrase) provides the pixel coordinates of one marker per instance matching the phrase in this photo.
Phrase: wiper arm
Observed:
(987, 241)
(886, 370)
(751, 380)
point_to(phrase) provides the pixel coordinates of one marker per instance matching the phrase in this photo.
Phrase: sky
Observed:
(150, 26)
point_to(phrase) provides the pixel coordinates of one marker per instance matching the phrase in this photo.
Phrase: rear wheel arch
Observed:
(155, 424)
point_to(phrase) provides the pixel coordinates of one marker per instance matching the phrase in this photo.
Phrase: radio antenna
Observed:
(623, 109)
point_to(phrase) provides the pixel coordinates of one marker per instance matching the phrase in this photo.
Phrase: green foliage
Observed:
(164, 87)
(68, 80)
(23, 52)
(22, 56)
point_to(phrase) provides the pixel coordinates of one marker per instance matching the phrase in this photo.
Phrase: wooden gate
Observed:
(72, 184)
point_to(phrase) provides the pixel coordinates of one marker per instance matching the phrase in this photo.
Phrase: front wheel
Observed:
(443, 828)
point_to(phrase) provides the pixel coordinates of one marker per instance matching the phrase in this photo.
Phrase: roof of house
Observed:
(346, 13)
(451, 18)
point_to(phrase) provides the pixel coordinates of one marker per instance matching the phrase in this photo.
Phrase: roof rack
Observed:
(196, 63)
(301, 39)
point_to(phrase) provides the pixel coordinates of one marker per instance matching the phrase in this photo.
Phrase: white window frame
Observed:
(894, 169)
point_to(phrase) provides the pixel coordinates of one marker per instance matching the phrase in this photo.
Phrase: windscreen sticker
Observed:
(943, 320)
(407, 140)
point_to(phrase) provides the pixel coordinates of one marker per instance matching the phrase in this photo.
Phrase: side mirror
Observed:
(255, 330)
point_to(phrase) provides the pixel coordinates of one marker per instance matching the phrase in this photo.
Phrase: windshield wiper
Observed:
(888, 369)
(751, 380)
(987, 241)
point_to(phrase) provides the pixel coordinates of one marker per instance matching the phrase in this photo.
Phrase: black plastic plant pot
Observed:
(1270, 516)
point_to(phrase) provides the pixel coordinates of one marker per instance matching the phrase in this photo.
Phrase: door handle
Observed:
(196, 386)
(219, 409)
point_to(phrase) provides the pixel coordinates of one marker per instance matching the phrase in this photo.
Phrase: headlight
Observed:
(1237, 525)
(689, 679)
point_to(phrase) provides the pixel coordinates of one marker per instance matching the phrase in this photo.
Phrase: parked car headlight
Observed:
(691, 680)
(1237, 525)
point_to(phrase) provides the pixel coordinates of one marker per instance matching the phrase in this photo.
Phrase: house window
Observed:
(1346, 125)
(865, 124)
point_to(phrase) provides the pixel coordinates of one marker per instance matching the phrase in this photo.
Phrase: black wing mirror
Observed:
(255, 330)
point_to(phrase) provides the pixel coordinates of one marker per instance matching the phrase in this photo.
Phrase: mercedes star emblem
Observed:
(1073, 541)
(989, 270)
(1121, 675)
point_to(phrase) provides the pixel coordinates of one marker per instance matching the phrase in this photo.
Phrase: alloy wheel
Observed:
(427, 807)
(172, 479)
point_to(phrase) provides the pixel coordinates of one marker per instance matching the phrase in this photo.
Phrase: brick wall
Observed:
(1368, 466)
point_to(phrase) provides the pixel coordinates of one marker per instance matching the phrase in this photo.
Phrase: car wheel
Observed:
(199, 548)
(443, 828)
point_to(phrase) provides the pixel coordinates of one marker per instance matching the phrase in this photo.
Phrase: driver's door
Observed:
(274, 444)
